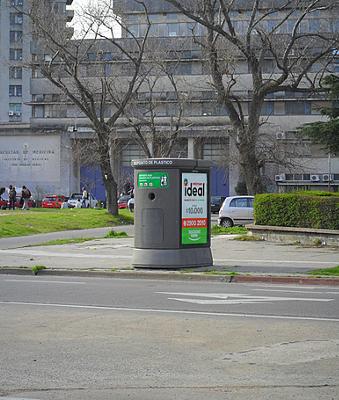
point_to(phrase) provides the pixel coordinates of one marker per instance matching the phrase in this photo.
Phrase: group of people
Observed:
(25, 195)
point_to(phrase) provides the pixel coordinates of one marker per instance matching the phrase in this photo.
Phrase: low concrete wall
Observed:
(304, 236)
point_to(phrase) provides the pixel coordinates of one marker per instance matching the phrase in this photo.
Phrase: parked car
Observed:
(130, 204)
(216, 202)
(4, 200)
(53, 201)
(123, 201)
(236, 210)
(91, 202)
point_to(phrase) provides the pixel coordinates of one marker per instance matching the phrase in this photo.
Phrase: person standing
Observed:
(11, 197)
(84, 198)
(25, 195)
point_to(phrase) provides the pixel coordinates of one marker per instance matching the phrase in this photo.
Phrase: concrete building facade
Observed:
(41, 131)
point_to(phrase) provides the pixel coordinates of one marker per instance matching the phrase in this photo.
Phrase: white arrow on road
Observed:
(233, 298)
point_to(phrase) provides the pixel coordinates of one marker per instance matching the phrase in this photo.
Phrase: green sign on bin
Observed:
(153, 180)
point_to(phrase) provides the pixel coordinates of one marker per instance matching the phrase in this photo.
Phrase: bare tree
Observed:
(159, 113)
(99, 72)
(266, 30)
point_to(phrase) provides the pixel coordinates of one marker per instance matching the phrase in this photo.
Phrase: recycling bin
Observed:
(172, 213)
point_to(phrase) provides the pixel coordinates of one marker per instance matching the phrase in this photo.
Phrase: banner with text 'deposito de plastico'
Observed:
(194, 222)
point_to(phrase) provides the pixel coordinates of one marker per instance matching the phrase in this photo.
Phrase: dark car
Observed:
(216, 202)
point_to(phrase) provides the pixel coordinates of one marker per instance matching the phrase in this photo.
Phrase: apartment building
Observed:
(38, 158)
(41, 131)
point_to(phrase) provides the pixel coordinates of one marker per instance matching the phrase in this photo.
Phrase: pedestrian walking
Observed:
(85, 197)
(11, 197)
(25, 196)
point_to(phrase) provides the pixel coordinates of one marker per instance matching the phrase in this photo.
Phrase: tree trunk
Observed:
(111, 186)
(250, 169)
(111, 189)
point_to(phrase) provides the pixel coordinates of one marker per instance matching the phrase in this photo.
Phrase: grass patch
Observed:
(225, 273)
(234, 230)
(251, 238)
(116, 234)
(37, 268)
(326, 271)
(40, 220)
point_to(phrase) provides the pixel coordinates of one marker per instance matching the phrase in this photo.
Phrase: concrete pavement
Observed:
(255, 257)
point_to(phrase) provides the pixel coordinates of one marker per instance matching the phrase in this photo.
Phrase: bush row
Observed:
(319, 210)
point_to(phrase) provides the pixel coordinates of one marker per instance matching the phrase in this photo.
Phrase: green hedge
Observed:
(318, 210)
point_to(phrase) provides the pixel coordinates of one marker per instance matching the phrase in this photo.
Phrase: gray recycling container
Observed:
(172, 213)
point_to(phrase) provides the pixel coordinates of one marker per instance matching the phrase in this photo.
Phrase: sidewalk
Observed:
(105, 256)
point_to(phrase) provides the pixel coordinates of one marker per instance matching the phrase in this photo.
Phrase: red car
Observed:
(123, 200)
(4, 201)
(53, 201)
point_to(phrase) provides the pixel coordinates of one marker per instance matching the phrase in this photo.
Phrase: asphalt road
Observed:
(93, 338)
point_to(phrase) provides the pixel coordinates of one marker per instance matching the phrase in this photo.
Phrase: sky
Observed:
(77, 6)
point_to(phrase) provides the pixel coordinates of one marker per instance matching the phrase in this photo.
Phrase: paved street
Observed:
(92, 338)
(107, 254)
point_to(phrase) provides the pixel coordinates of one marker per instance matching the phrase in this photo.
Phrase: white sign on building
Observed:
(30, 160)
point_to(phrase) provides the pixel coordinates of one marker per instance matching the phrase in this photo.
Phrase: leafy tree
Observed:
(326, 133)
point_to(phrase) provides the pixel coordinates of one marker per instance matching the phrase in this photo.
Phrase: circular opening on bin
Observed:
(151, 196)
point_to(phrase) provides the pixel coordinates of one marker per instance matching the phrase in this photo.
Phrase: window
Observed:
(298, 108)
(15, 90)
(314, 25)
(15, 36)
(15, 54)
(215, 149)
(38, 111)
(55, 111)
(179, 69)
(267, 108)
(108, 69)
(15, 72)
(38, 98)
(107, 56)
(173, 29)
(15, 109)
(131, 152)
(239, 202)
(133, 30)
(15, 19)
(172, 109)
(17, 3)
(91, 56)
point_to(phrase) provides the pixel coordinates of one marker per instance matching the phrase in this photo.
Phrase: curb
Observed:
(174, 275)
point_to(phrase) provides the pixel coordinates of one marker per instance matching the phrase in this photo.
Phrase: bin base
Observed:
(173, 258)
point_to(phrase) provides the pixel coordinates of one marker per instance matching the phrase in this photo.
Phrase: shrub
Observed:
(319, 210)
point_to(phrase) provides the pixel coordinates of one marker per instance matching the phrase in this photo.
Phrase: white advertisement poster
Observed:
(194, 196)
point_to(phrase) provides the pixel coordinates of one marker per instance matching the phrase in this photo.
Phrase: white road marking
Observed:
(40, 281)
(15, 398)
(274, 285)
(162, 311)
(293, 291)
(39, 253)
(234, 298)
(238, 260)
